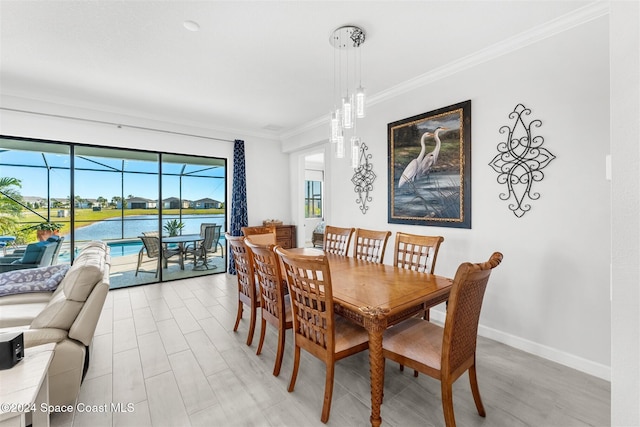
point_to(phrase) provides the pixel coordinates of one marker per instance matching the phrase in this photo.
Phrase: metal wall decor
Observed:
(520, 160)
(363, 179)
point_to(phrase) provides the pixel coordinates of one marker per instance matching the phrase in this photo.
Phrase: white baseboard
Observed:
(587, 366)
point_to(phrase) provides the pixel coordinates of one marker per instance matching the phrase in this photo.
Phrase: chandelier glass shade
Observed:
(349, 94)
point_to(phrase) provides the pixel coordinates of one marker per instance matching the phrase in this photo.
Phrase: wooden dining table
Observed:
(377, 296)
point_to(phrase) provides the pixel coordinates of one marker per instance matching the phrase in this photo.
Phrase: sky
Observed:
(103, 182)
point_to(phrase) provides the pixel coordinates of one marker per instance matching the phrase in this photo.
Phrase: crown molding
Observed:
(71, 110)
(556, 26)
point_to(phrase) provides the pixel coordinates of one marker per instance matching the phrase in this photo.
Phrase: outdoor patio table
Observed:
(181, 240)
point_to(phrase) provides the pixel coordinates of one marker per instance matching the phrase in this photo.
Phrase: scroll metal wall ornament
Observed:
(520, 161)
(363, 179)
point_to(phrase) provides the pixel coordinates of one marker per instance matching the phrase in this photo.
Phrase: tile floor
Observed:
(168, 354)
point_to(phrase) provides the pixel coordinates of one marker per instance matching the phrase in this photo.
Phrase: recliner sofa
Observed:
(67, 316)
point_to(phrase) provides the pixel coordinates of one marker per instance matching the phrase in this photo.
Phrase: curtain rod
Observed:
(118, 125)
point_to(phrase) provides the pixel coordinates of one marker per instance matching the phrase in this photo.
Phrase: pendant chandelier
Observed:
(349, 94)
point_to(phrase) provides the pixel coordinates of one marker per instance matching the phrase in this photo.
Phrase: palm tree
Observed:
(9, 208)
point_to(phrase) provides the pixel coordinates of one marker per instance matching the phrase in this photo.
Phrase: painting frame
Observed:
(431, 188)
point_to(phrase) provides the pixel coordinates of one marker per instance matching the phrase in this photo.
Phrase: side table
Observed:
(25, 388)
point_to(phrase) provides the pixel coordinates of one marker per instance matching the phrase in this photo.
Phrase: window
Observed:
(313, 199)
(114, 195)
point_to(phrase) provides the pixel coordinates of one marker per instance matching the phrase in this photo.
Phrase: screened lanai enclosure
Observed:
(154, 209)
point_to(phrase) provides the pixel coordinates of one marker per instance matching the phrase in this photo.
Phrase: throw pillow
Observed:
(45, 283)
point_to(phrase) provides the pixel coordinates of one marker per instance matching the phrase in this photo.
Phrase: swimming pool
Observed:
(118, 248)
(124, 248)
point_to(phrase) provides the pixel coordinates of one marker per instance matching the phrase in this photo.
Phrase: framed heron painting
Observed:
(430, 168)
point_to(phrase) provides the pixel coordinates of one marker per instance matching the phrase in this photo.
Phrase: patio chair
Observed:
(40, 254)
(153, 250)
(210, 244)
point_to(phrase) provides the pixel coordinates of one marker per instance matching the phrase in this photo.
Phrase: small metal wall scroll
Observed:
(363, 179)
(520, 161)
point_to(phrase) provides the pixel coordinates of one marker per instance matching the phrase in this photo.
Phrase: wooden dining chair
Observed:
(315, 327)
(261, 235)
(247, 292)
(275, 305)
(416, 252)
(337, 239)
(262, 239)
(370, 245)
(446, 353)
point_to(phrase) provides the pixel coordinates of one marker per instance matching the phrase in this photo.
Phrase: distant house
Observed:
(60, 202)
(86, 203)
(207, 203)
(42, 202)
(174, 203)
(139, 203)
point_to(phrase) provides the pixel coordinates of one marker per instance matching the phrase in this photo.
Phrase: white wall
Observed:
(550, 295)
(267, 167)
(625, 158)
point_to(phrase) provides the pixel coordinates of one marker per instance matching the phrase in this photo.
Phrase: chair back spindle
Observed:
(337, 240)
(370, 245)
(415, 252)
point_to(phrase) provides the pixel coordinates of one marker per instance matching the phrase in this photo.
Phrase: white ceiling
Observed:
(263, 67)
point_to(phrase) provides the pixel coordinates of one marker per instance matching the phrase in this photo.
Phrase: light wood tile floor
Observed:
(167, 353)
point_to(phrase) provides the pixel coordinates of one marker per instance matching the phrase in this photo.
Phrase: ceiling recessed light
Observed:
(191, 25)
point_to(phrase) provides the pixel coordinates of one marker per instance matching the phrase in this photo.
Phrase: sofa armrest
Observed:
(34, 337)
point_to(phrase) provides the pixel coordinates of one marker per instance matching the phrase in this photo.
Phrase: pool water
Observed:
(118, 249)
(124, 248)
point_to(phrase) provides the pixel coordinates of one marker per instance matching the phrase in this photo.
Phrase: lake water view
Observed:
(112, 228)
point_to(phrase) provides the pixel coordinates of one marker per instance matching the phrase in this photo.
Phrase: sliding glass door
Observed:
(118, 196)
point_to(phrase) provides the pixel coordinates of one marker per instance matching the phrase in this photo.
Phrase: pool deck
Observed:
(123, 269)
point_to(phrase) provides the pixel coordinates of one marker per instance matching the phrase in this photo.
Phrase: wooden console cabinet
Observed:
(286, 236)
